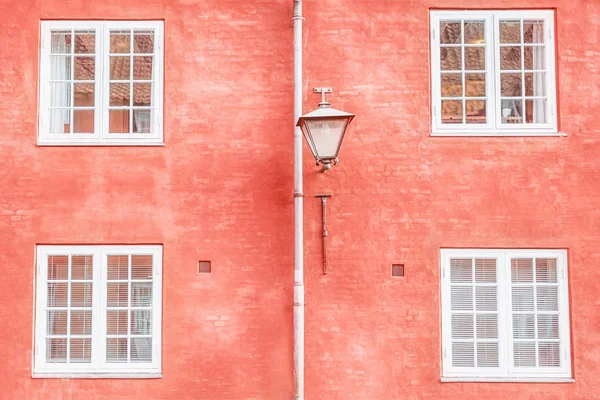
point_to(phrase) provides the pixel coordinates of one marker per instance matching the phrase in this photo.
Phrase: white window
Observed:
(98, 311)
(505, 315)
(493, 73)
(101, 83)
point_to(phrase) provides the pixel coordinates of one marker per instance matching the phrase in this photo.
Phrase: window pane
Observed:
(475, 85)
(117, 294)
(511, 85)
(547, 298)
(141, 322)
(56, 323)
(60, 95)
(85, 42)
(474, 58)
(142, 67)
(533, 31)
(81, 267)
(141, 267)
(535, 57)
(535, 111)
(83, 121)
(549, 354)
(545, 270)
(142, 94)
(487, 326)
(487, 354)
(81, 294)
(461, 298)
(461, 270)
(450, 32)
(485, 270)
(59, 121)
(463, 354)
(521, 270)
(58, 268)
(60, 68)
(119, 94)
(547, 326)
(512, 111)
(116, 322)
(524, 354)
(81, 350)
(510, 58)
(474, 32)
(522, 298)
(56, 350)
(119, 121)
(452, 111)
(58, 294)
(60, 42)
(462, 326)
(523, 326)
(450, 59)
(118, 267)
(452, 85)
(120, 41)
(143, 42)
(116, 350)
(535, 84)
(84, 95)
(141, 350)
(141, 293)
(120, 67)
(81, 322)
(142, 121)
(510, 32)
(85, 68)
(475, 112)
(486, 298)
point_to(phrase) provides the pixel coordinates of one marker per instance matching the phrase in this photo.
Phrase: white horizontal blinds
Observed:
(535, 312)
(463, 69)
(129, 308)
(72, 81)
(523, 71)
(69, 309)
(131, 81)
(474, 312)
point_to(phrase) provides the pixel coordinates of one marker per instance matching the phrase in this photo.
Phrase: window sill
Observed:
(500, 134)
(508, 379)
(101, 144)
(97, 375)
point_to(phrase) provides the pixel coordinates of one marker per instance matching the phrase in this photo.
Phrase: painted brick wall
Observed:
(221, 189)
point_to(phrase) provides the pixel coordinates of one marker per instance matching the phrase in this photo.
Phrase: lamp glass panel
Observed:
(327, 135)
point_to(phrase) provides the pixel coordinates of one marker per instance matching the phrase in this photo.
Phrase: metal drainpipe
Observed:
(298, 215)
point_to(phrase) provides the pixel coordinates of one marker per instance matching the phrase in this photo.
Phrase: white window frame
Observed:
(98, 367)
(493, 125)
(101, 137)
(505, 371)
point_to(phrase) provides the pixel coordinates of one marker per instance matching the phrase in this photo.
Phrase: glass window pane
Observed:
(524, 354)
(60, 42)
(535, 84)
(475, 111)
(475, 85)
(119, 94)
(450, 59)
(141, 349)
(533, 31)
(116, 350)
(510, 32)
(141, 322)
(510, 58)
(81, 322)
(58, 294)
(81, 268)
(58, 268)
(487, 354)
(119, 121)
(56, 350)
(85, 68)
(547, 298)
(512, 111)
(452, 112)
(120, 41)
(116, 322)
(143, 42)
(120, 68)
(85, 42)
(118, 268)
(59, 121)
(84, 95)
(142, 67)
(549, 354)
(523, 326)
(535, 111)
(60, 95)
(487, 326)
(486, 298)
(547, 326)
(463, 354)
(142, 121)
(511, 85)
(81, 294)
(521, 270)
(141, 294)
(474, 32)
(141, 267)
(450, 32)
(60, 68)
(142, 94)
(474, 58)
(56, 322)
(83, 121)
(522, 299)
(452, 85)
(117, 294)
(461, 270)
(545, 270)
(461, 298)
(80, 350)
(535, 57)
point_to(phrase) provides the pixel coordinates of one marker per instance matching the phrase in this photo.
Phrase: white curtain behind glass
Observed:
(60, 94)
(539, 112)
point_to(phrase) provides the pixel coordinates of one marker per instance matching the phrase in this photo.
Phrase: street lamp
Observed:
(324, 130)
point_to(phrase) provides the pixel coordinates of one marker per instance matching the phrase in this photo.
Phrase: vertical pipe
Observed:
(298, 215)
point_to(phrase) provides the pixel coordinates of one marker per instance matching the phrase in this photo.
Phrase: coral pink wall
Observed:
(221, 189)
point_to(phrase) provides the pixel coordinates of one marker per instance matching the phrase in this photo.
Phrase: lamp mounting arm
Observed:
(323, 90)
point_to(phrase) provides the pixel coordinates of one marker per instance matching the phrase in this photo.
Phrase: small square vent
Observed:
(204, 267)
(398, 270)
